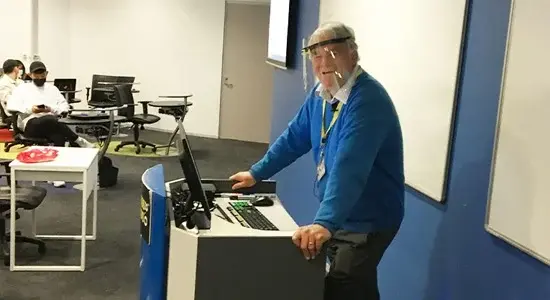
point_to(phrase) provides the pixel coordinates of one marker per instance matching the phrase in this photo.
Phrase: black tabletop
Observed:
(169, 104)
(176, 96)
(71, 121)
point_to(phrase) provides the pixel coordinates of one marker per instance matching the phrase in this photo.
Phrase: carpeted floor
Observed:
(113, 260)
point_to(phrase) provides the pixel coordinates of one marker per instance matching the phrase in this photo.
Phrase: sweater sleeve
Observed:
(294, 142)
(364, 130)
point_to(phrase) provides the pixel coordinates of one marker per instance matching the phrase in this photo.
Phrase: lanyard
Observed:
(324, 133)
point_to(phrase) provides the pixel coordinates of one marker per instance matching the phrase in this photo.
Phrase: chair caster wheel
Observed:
(138, 150)
(154, 149)
(41, 249)
(117, 148)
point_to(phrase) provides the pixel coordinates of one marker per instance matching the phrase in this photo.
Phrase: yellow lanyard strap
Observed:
(324, 133)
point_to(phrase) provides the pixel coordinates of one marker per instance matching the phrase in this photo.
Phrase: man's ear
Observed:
(46, 73)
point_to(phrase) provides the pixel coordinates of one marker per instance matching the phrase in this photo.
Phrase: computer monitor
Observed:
(196, 207)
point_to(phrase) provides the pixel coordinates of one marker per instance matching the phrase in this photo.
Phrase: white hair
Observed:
(334, 30)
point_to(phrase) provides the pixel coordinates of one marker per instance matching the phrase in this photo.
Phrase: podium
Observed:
(229, 261)
(226, 261)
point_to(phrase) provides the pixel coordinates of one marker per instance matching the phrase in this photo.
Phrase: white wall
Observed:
(171, 46)
(413, 48)
(15, 29)
(54, 37)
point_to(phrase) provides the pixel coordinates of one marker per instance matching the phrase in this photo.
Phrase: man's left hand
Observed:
(310, 239)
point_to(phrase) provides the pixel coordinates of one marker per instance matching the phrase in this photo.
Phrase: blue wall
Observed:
(442, 251)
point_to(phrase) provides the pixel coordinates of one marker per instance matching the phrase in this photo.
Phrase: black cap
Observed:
(10, 64)
(37, 66)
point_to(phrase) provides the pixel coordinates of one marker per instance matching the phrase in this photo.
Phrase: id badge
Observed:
(321, 169)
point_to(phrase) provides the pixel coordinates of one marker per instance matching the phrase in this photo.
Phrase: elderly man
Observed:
(9, 81)
(350, 124)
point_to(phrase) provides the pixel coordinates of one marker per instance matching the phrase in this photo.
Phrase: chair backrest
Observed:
(16, 129)
(123, 95)
(106, 81)
(100, 96)
(7, 120)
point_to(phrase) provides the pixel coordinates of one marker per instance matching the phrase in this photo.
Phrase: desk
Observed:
(73, 165)
(111, 121)
(229, 253)
(177, 109)
(67, 95)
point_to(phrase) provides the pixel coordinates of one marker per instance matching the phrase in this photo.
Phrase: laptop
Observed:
(66, 85)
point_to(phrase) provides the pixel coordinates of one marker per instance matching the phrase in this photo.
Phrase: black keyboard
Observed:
(249, 216)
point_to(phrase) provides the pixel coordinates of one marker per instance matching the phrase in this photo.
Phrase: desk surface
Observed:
(72, 121)
(170, 104)
(68, 159)
(176, 96)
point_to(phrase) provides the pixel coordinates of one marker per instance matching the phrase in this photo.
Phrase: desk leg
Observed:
(12, 221)
(84, 213)
(94, 228)
(171, 140)
(33, 214)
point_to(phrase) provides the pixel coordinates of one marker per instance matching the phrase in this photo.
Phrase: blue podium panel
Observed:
(154, 235)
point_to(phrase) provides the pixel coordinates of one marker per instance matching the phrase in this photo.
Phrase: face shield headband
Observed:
(329, 70)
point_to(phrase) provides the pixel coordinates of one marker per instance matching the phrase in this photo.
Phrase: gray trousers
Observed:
(354, 259)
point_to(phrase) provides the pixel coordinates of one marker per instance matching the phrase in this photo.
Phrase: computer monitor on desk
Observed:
(196, 210)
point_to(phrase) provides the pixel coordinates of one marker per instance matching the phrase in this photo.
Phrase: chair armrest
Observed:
(144, 104)
(5, 162)
(88, 93)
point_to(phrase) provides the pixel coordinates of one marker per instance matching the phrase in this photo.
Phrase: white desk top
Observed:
(68, 159)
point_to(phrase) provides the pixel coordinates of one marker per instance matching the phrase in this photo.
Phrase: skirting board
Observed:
(187, 132)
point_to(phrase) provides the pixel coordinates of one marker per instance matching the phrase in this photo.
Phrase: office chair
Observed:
(6, 120)
(100, 94)
(123, 94)
(27, 198)
(20, 139)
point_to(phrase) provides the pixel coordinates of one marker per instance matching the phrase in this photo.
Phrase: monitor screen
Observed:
(279, 19)
(192, 177)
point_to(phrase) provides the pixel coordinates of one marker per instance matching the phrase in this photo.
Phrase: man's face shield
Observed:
(330, 61)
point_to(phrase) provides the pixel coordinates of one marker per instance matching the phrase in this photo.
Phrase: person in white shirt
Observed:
(39, 105)
(8, 82)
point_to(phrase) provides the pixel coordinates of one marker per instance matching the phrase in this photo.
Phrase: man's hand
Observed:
(310, 239)
(36, 109)
(244, 180)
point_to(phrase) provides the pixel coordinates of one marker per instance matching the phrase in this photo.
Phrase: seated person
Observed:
(8, 82)
(40, 104)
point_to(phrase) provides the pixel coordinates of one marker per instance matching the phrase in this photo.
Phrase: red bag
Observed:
(37, 155)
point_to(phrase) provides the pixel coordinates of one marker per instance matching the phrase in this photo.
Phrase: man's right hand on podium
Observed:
(243, 180)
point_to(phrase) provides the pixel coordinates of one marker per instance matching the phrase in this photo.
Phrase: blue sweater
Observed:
(363, 187)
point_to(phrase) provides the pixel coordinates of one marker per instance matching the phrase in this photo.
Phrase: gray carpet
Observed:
(112, 270)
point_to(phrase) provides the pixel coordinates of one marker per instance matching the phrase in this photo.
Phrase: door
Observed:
(247, 80)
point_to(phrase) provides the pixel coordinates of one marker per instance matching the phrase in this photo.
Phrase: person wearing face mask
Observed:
(349, 123)
(22, 72)
(8, 82)
(40, 104)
